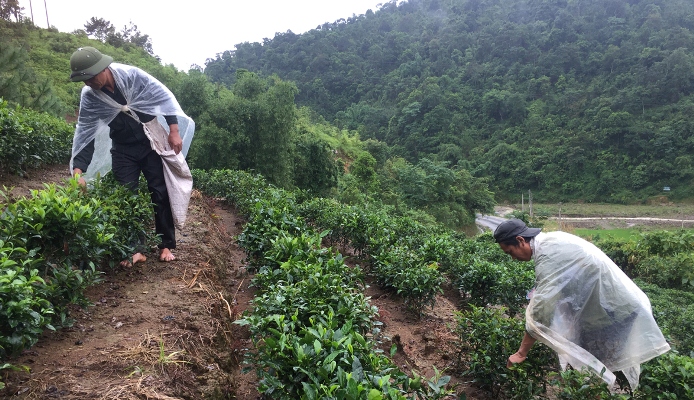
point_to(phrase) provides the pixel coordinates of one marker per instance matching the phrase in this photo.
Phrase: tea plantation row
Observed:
(413, 260)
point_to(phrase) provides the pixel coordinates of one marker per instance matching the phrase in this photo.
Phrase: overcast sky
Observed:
(186, 33)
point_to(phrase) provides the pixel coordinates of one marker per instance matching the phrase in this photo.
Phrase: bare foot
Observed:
(166, 255)
(136, 259)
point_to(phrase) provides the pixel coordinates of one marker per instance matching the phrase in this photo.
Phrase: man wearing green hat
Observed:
(117, 103)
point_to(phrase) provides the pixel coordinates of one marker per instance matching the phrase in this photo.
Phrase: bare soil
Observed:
(164, 330)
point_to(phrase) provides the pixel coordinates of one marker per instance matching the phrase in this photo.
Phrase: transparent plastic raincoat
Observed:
(587, 310)
(142, 93)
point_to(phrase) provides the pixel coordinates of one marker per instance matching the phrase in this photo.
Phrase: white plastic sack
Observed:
(179, 180)
(587, 310)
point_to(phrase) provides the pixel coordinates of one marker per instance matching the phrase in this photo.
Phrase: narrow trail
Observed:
(156, 330)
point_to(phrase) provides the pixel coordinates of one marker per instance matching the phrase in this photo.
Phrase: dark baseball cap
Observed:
(512, 228)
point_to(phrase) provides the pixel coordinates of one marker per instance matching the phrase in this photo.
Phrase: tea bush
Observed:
(673, 310)
(672, 271)
(661, 257)
(485, 275)
(313, 329)
(670, 376)
(29, 139)
(490, 337)
(308, 304)
(267, 221)
(53, 243)
(574, 384)
(408, 273)
(239, 188)
(24, 312)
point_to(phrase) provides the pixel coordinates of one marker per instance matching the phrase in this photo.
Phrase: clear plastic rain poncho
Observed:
(588, 311)
(143, 93)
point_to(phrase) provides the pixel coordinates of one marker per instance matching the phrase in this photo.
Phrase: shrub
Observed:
(405, 271)
(585, 385)
(490, 338)
(29, 139)
(674, 312)
(24, 312)
(669, 376)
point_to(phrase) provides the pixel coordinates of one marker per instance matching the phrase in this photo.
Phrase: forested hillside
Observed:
(576, 99)
(252, 124)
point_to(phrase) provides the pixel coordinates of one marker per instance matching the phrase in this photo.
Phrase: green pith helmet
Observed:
(86, 62)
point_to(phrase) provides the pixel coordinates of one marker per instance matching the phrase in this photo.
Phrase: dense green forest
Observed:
(572, 99)
(253, 124)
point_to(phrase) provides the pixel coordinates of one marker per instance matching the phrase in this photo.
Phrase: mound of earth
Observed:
(165, 330)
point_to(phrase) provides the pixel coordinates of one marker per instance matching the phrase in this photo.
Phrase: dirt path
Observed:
(164, 330)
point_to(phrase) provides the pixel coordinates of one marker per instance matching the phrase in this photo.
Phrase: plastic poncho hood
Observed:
(588, 311)
(143, 93)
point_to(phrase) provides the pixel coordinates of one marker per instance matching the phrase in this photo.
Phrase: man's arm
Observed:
(175, 141)
(81, 161)
(522, 352)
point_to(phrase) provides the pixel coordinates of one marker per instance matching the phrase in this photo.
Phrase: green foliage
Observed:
(250, 128)
(24, 313)
(52, 244)
(675, 272)
(312, 326)
(256, 127)
(486, 275)
(238, 187)
(309, 301)
(269, 218)
(668, 376)
(315, 167)
(104, 31)
(568, 99)
(585, 385)
(491, 337)
(20, 84)
(321, 360)
(131, 214)
(502, 283)
(451, 196)
(29, 139)
(666, 243)
(660, 257)
(674, 312)
(45, 68)
(406, 271)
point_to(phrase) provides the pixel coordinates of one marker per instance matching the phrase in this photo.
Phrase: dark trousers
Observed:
(127, 164)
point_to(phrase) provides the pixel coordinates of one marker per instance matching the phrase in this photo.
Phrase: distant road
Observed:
(488, 221)
(684, 221)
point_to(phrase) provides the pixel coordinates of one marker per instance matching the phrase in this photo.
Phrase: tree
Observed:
(219, 134)
(104, 31)
(363, 169)
(194, 93)
(315, 167)
(252, 127)
(19, 83)
(99, 29)
(130, 34)
(9, 9)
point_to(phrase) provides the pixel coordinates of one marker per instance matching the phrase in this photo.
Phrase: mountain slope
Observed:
(570, 99)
